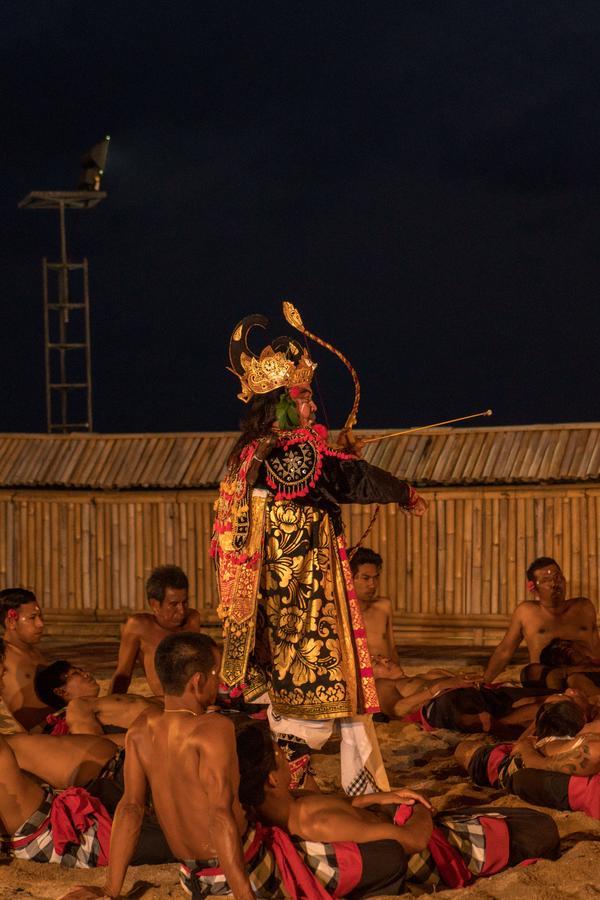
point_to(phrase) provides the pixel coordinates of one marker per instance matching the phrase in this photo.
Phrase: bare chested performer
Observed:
(398, 816)
(23, 624)
(72, 689)
(398, 693)
(167, 593)
(548, 615)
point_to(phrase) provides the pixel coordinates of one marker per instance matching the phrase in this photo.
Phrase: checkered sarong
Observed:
(464, 833)
(362, 783)
(205, 878)
(33, 840)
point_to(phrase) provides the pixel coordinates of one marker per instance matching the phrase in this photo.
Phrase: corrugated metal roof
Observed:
(530, 454)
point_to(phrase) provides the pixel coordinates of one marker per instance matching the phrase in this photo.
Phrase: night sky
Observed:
(422, 179)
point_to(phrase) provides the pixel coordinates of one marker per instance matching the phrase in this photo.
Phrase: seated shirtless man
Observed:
(167, 593)
(393, 686)
(547, 615)
(21, 617)
(73, 695)
(202, 817)
(507, 836)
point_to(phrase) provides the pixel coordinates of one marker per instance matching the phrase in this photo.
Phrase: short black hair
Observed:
(364, 555)
(13, 598)
(49, 678)
(556, 653)
(2, 649)
(179, 656)
(256, 756)
(561, 719)
(540, 563)
(164, 577)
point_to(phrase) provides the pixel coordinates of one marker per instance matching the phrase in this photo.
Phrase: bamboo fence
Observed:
(454, 575)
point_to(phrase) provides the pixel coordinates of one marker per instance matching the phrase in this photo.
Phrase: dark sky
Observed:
(422, 179)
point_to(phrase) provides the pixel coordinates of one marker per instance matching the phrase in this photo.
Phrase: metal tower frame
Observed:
(63, 338)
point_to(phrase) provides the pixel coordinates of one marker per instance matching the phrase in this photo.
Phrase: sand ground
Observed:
(413, 758)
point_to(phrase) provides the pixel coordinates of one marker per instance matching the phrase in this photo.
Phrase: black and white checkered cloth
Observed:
(464, 833)
(40, 846)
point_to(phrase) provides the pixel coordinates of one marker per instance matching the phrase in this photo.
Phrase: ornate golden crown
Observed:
(282, 364)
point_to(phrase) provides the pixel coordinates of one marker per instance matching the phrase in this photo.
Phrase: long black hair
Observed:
(257, 422)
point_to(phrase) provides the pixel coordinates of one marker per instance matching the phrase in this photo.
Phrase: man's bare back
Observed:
(180, 786)
(140, 636)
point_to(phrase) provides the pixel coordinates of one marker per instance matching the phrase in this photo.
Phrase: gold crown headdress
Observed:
(282, 364)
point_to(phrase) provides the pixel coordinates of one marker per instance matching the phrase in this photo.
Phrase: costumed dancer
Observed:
(293, 628)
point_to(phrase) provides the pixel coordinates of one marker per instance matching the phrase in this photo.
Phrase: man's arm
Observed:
(128, 818)
(327, 824)
(582, 757)
(128, 652)
(218, 763)
(503, 653)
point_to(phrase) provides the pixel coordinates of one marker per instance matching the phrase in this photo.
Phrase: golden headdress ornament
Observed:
(282, 364)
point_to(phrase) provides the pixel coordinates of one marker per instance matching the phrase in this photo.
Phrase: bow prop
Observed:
(295, 320)
(383, 437)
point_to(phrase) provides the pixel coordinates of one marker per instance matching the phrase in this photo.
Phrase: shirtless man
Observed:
(21, 617)
(377, 611)
(546, 616)
(167, 593)
(64, 686)
(398, 693)
(188, 760)
(397, 815)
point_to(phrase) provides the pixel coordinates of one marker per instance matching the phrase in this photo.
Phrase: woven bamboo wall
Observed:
(455, 575)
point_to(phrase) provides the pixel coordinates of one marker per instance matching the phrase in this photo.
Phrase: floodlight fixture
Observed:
(93, 164)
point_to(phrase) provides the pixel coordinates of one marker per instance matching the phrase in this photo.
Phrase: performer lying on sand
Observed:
(548, 614)
(167, 594)
(445, 851)
(565, 737)
(21, 618)
(503, 711)
(558, 767)
(73, 692)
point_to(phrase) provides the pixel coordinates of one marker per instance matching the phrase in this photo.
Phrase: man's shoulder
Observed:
(582, 602)
(526, 607)
(139, 622)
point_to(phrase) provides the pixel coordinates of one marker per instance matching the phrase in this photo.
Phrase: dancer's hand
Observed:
(398, 795)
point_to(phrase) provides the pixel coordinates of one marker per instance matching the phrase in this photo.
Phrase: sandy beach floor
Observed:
(413, 758)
